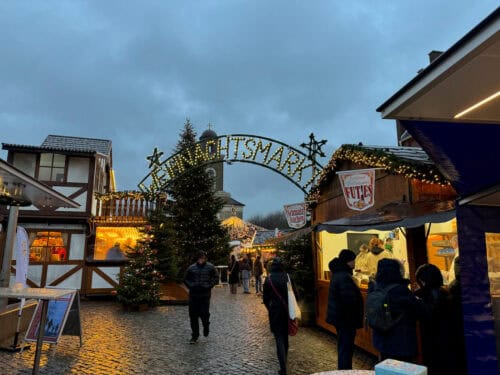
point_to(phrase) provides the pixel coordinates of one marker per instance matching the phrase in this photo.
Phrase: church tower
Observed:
(215, 169)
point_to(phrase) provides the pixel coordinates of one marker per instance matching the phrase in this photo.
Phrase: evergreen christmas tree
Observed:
(194, 209)
(163, 240)
(298, 260)
(139, 280)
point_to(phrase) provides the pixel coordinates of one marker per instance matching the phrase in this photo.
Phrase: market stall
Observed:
(406, 200)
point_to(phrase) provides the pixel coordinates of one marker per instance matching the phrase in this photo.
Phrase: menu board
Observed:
(57, 313)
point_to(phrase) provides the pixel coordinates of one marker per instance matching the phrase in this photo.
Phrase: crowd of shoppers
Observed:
(437, 308)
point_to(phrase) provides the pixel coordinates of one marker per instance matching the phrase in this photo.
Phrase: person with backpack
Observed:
(392, 311)
(345, 306)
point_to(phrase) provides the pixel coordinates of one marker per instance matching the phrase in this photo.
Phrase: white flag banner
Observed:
(296, 215)
(22, 255)
(358, 187)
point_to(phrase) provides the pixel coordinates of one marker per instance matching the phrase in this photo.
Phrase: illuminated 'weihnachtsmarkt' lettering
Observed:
(286, 160)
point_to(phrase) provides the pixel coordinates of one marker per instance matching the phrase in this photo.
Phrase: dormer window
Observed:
(52, 167)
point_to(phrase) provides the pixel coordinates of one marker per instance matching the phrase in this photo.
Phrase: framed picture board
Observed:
(355, 240)
(57, 313)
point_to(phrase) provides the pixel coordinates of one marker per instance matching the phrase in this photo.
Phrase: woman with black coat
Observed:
(435, 328)
(276, 301)
(400, 342)
(233, 270)
(345, 306)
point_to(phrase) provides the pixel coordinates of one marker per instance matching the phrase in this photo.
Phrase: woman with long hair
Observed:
(276, 302)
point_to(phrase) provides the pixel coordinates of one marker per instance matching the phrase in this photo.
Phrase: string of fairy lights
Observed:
(134, 195)
(377, 158)
(372, 157)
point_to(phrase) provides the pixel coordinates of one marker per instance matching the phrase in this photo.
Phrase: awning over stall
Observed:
(393, 215)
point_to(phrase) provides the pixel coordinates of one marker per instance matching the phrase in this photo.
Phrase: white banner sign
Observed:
(296, 215)
(358, 187)
(22, 255)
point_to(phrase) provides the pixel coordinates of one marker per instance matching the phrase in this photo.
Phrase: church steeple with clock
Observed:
(216, 170)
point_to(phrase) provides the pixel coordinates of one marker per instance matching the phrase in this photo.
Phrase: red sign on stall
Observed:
(296, 215)
(358, 187)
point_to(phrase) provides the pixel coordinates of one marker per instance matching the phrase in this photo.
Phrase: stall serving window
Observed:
(441, 246)
(113, 243)
(331, 244)
(48, 246)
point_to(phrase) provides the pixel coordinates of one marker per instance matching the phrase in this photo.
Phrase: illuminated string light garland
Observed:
(118, 195)
(377, 158)
(272, 154)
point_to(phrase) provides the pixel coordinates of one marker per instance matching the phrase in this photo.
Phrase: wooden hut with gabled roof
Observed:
(413, 205)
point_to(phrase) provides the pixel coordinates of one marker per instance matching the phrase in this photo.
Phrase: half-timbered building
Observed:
(69, 246)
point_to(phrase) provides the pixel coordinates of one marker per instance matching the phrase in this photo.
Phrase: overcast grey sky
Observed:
(133, 71)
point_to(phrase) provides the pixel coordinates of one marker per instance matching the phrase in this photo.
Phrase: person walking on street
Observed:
(245, 274)
(234, 274)
(345, 306)
(200, 278)
(276, 301)
(257, 272)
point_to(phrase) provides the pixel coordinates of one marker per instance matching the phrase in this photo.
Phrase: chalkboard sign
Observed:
(58, 313)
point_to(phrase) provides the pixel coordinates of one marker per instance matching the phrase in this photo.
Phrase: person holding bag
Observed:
(277, 289)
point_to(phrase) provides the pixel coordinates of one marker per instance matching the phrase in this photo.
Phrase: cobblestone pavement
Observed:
(156, 342)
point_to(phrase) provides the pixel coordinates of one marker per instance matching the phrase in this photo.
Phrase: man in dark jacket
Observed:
(200, 278)
(345, 306)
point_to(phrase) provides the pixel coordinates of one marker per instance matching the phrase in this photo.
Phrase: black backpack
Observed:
(378, 311)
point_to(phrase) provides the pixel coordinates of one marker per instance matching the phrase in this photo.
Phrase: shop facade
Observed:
(452, 109)
(413, 205)
(69, 246)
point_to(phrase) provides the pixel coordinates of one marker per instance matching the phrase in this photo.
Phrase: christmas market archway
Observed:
(269, 153)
